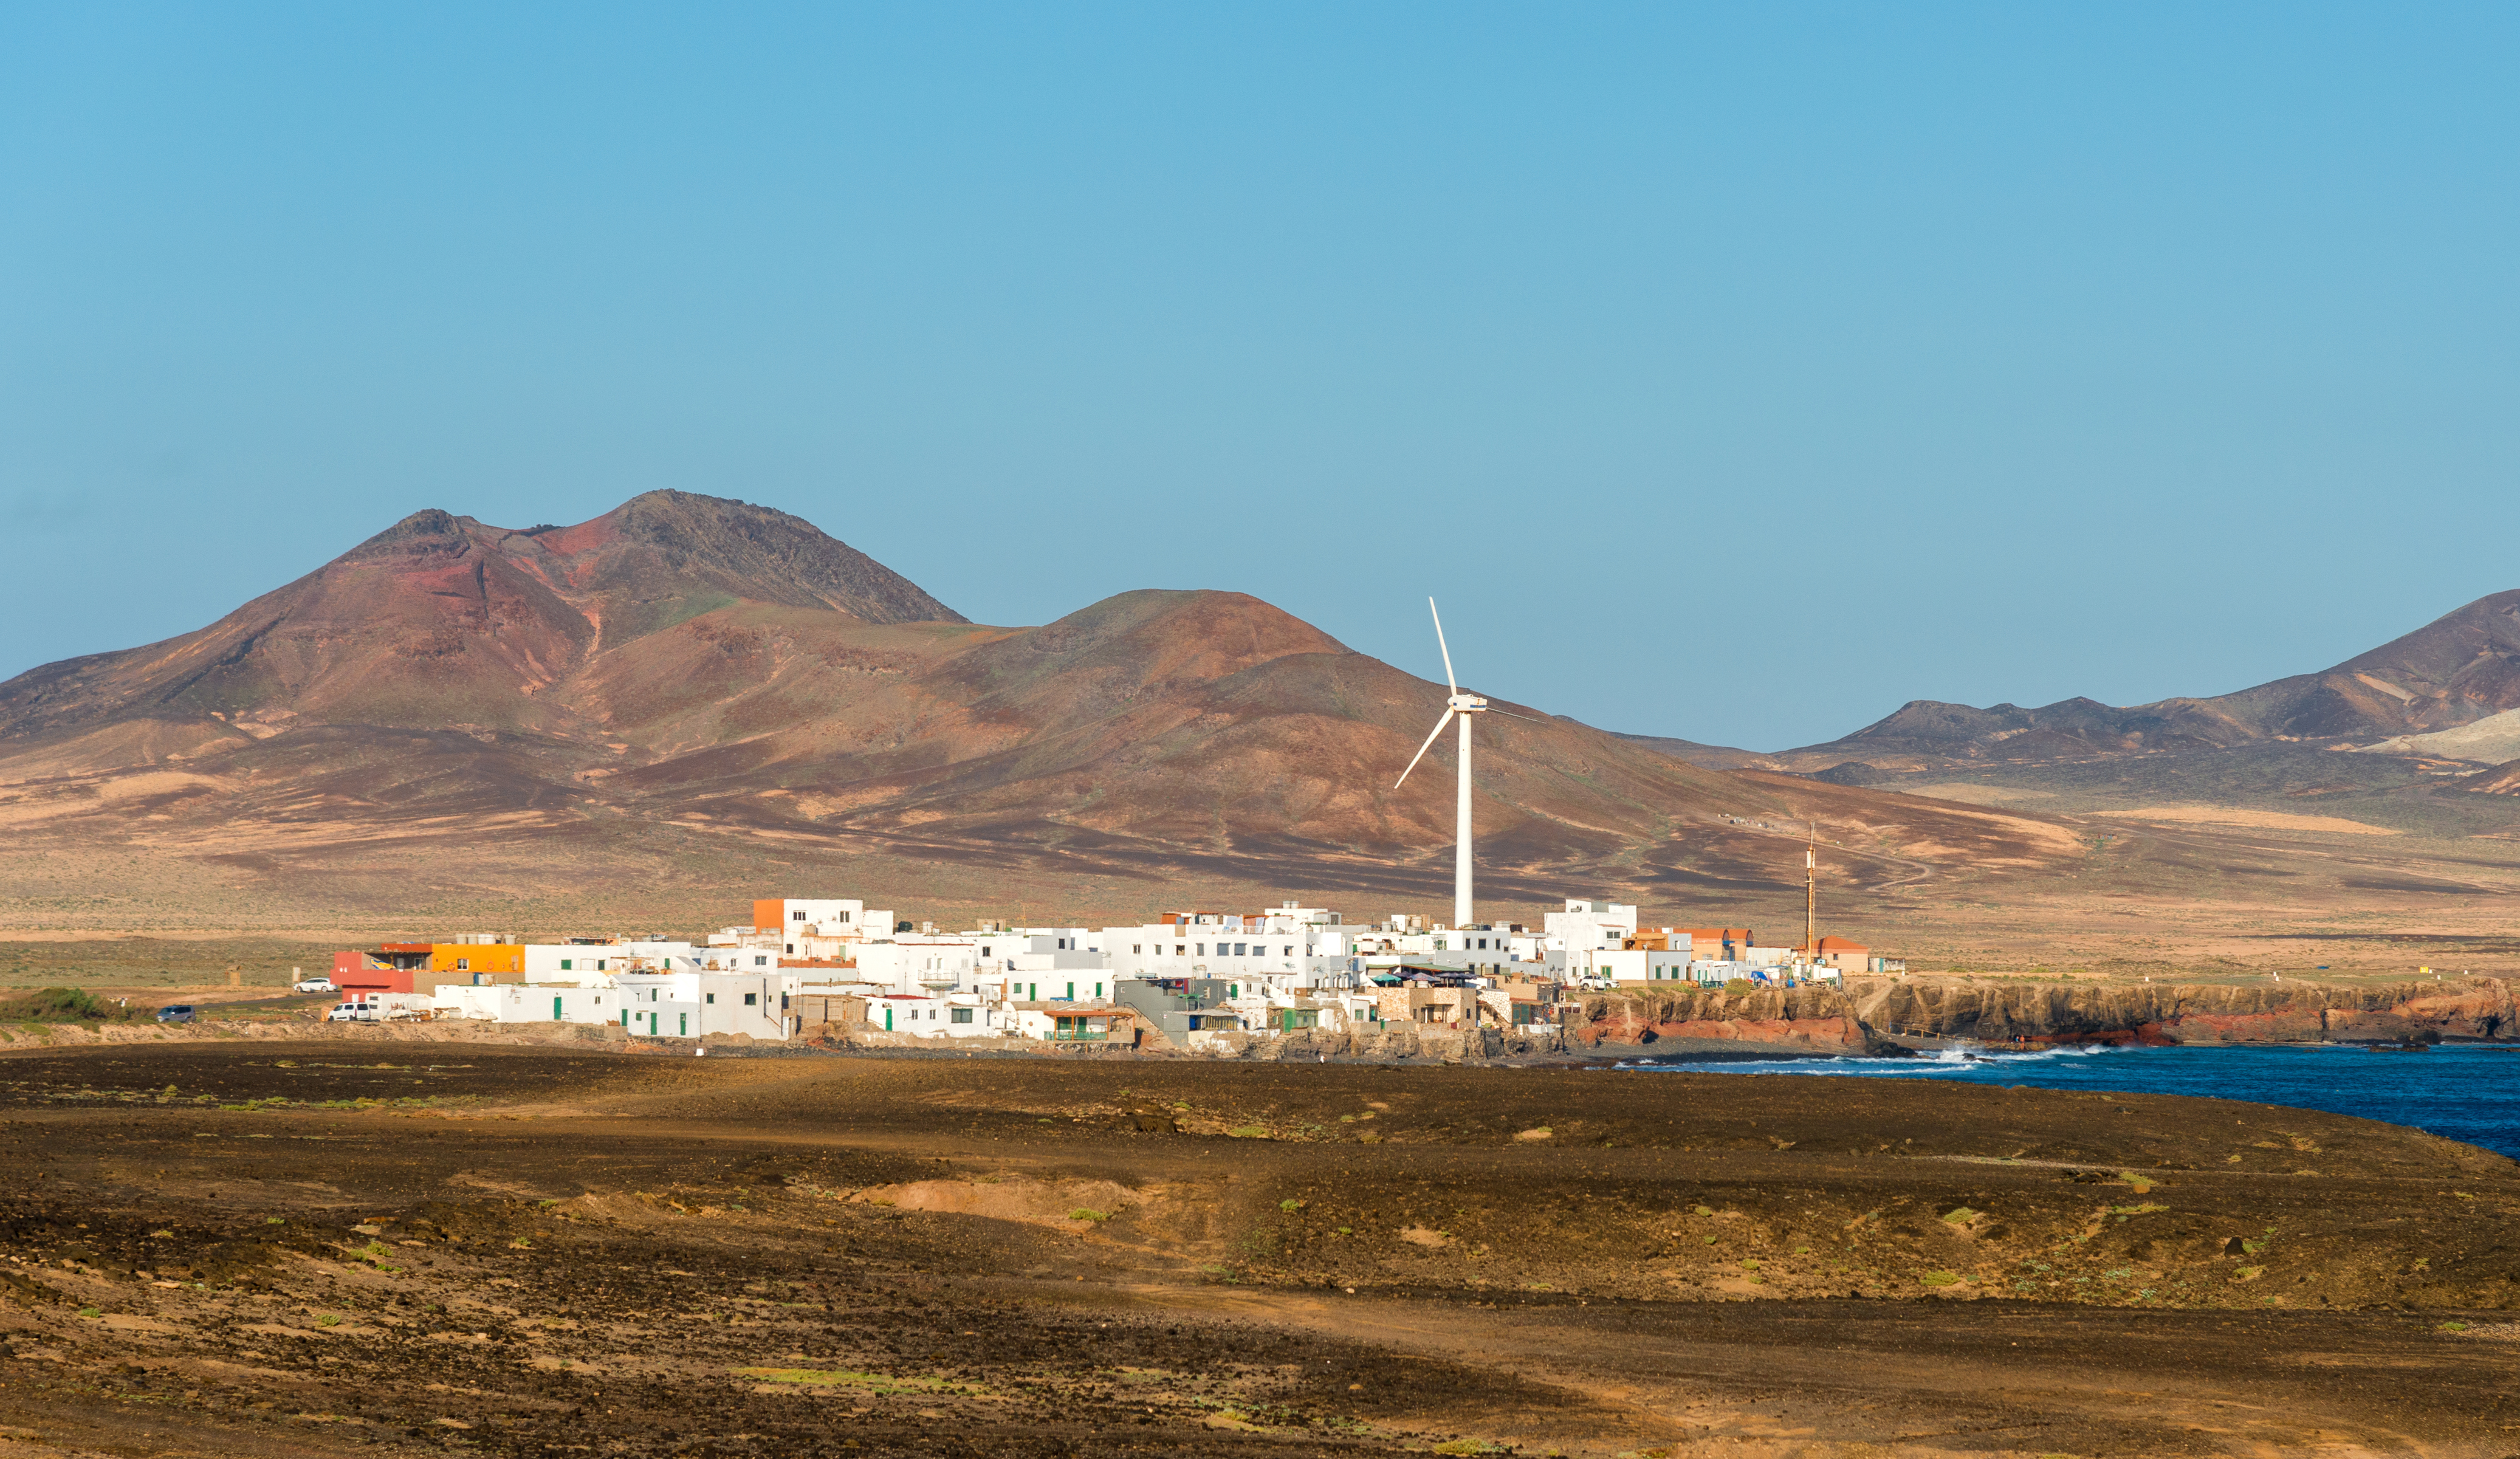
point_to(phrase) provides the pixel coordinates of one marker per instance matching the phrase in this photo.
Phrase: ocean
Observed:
(2464, 1092)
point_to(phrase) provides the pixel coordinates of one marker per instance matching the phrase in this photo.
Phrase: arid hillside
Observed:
(440, 620)
(2453, 671)
(693, 692)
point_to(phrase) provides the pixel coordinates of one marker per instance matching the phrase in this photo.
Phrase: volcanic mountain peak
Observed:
(443, 619)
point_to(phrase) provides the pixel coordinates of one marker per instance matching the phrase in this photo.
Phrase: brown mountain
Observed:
(439, 619)
(691, 678)
(2454, 670)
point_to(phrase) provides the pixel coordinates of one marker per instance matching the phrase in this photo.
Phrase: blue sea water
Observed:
(2465, 1092)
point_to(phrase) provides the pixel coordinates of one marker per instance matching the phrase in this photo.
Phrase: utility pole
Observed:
(1810, 894)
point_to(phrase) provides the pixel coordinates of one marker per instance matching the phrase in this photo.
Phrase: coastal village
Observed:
(1194, 982)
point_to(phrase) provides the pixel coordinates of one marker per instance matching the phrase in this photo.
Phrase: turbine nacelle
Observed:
(1466, 703)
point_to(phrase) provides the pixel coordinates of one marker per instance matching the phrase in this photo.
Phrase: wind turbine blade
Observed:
(1449, 680)
(1510, 714)
(1423, 749)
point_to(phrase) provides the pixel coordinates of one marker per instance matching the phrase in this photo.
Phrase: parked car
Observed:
(351, 1013)
(317, 984)
(176, 1013)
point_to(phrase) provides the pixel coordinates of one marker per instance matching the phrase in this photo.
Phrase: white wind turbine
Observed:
(1460, 706)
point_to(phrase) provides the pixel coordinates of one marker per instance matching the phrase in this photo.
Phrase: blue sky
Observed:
(1734, 372)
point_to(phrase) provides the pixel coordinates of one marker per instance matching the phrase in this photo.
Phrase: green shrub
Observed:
(63, 1006)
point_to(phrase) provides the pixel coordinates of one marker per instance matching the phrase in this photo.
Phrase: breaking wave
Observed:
(1922, 1066)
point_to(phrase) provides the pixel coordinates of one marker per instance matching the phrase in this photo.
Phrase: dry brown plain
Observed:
(358, 1245)
(2124, 893)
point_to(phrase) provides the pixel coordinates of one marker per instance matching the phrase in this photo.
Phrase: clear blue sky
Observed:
(1734, 372)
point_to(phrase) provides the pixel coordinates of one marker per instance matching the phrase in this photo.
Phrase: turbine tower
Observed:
(1460, 706)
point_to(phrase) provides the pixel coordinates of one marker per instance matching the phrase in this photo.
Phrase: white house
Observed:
(914, 962)
(520, 1003)
(1304, 943)
(1590, 924)
(1643, 965)
(690, 1004)
(584, 962)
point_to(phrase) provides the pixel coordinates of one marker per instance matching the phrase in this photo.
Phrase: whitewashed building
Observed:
(530, 1003)
(694, 1005)
(912, 963)
(585, 962)
(1590, 924)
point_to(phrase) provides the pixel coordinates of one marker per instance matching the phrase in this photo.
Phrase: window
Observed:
(761, 962)
(1241, 949)
(1136, 947)
(962, 1015)
(1291, 952)
(1178, 951)
(564, 964)
(796, 916)
(708, 997)
(751, 1000)
(984, 950)
(844, 914)
(463, 965)
(599, 965)
(1202, 948)
(791, 950)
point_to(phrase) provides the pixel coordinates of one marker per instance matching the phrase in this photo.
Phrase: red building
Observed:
(387, 970)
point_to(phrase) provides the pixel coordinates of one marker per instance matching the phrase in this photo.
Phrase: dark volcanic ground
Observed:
(330, 1247)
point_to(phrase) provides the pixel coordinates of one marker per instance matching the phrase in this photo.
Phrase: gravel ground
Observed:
(265, 1248)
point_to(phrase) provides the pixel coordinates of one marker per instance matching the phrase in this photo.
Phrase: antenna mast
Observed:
(1810, 894)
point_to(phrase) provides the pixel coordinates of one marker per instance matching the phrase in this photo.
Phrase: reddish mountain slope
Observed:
(440, 619)
(684, 664)
(2454, 670)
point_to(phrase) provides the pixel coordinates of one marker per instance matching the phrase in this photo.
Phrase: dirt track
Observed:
(274, 1249)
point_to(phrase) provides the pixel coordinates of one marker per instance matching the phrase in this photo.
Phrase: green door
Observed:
(888, 1018)
(556, 1008)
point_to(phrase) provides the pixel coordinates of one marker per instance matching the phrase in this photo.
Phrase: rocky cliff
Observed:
(2005, 1010)
(1873, 1013)
(1801, 1020)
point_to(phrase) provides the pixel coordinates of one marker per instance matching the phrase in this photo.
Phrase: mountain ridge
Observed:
(2453, 671)
(689, 666)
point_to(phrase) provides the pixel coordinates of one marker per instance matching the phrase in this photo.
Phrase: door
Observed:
(555, 997)
(888, 1018)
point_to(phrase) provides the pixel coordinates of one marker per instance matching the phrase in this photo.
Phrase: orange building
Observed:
(462, 962)
(1722, 944)
(1841, 954)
